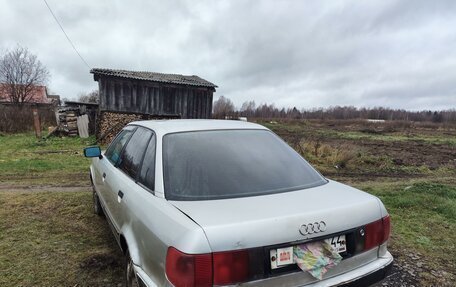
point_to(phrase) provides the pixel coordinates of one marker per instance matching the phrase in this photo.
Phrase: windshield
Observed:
(220, 164)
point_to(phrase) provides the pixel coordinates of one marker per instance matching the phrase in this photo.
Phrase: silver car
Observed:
(216, 203)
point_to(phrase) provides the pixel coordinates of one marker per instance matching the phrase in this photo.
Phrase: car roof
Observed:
(163, 127)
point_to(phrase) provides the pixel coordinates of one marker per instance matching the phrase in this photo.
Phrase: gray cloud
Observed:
(399, 54)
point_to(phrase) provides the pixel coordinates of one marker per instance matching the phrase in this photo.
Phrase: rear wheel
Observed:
(130, 276)
(96, 204)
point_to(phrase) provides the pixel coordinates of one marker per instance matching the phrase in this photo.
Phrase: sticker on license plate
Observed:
(281, 257)
(338, 243)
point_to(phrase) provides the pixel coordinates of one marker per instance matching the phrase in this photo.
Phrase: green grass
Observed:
(27, 159)
(423, 218)
(54, 239)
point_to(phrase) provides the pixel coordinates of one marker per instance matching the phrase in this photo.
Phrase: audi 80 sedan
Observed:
(216, 203)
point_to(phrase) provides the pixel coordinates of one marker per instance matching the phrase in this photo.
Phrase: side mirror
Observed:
(93, 151)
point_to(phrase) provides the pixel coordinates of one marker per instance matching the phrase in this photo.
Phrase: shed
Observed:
(82, 108)
(126, 96)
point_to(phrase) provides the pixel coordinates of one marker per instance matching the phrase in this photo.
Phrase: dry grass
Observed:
(338, 157)
(54, 239)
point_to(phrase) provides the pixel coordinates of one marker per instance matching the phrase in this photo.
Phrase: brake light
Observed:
(220, 268)
(188, 269)
(231, 267)
(377, 232)
(386, 227)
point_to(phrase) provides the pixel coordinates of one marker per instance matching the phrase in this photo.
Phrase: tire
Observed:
(96, 204)
(130, 276)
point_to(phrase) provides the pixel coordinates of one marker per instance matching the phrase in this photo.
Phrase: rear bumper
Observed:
(361, 270)
(364, 275)
(371, 278)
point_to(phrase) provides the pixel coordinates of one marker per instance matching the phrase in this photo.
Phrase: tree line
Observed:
(224, 107)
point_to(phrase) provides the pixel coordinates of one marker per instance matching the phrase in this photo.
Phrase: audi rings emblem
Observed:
(311, 228)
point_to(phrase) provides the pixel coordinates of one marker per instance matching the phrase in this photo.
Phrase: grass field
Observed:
(51, 238)
(24, 160)
(54, 239)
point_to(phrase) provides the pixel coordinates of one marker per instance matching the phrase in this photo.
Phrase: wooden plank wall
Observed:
(155, 99)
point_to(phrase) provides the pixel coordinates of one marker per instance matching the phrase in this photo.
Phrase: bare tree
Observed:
(91, 97)
(248, 108)
(223, 107)
(20, 74)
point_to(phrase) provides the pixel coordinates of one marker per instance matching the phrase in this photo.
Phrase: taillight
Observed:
(188, 269)
(386, 228)
(220, 268)
(377, 232)
(231, 267)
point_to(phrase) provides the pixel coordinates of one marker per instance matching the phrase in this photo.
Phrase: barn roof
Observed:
(155, 77)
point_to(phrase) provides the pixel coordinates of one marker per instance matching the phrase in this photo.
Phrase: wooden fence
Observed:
(19, 118)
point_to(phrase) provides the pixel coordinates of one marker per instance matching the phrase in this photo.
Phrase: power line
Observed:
(68, 38)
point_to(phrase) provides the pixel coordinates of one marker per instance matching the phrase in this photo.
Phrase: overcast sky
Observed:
(399, 54)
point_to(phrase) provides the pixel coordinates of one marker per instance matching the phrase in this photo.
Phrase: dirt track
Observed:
(44, 188)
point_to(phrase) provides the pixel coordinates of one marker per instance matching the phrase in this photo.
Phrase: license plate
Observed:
(281, 257)
(338, 243)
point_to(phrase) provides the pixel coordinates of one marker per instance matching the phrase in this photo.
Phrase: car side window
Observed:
(115, 148)
(147, 174)
(131, 157)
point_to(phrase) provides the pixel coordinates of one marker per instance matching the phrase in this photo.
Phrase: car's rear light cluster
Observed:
(230, 267)
(377, 232)
(220, 268)
(188, 270)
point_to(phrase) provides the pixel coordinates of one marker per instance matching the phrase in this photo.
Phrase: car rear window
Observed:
(220, 164)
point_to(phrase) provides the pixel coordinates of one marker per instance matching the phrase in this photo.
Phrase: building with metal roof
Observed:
(126, 96)
(155, 94)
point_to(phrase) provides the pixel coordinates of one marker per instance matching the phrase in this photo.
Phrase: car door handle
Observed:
(119, 196)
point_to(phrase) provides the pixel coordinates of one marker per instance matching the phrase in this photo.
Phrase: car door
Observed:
(149, 217)
(123, 185)
(107, 168)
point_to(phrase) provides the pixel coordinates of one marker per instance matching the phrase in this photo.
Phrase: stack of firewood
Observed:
(68, 124)
(110, 124)
(71, 123)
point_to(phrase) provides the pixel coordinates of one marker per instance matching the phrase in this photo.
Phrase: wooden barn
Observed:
(127, 96)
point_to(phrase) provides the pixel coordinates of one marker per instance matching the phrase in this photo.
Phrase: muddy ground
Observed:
(405, 153)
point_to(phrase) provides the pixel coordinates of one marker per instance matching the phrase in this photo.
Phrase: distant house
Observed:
(39, 95)
(22, 117)
(131, 95)
(375, 121)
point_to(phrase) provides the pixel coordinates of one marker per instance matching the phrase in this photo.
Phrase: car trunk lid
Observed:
(240, 223)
